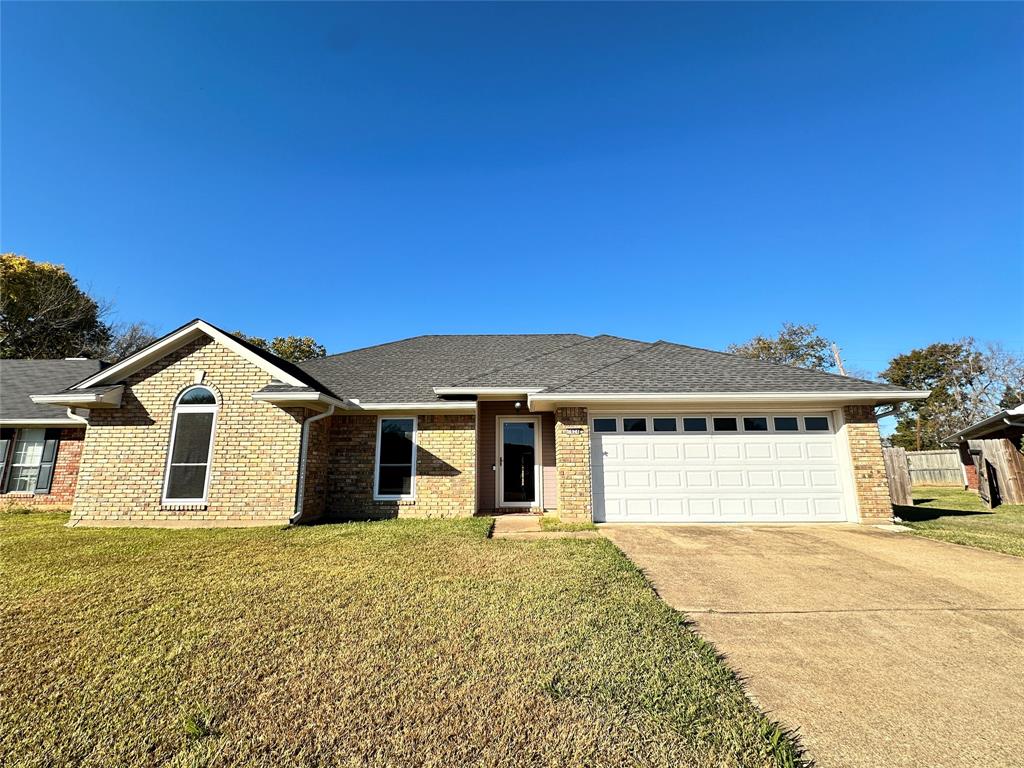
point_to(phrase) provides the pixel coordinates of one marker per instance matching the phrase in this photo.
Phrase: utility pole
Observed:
(839, 360)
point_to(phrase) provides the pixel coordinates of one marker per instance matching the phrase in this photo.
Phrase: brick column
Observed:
(572, 463)
(870, 479)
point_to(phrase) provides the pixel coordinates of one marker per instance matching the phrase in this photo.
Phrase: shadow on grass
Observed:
(922, 514)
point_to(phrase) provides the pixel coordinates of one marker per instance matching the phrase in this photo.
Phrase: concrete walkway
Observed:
(526, 527)
(883, 649)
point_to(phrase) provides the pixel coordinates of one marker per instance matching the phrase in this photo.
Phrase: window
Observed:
(188, 461)
(755, 424)
(724, 424)
(786, 424)
(695, 424)
(604, 425)
(816, 423)
(665, 425)
(25, 461)
(634, 425)
(396, 459)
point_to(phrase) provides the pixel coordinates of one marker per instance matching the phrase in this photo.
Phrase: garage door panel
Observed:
(708, 477)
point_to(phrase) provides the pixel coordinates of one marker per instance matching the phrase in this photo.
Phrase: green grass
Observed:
(554, 523)
(399, 643)
(957, 516)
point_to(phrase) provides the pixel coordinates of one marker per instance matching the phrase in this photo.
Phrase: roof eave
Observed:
(1014, 417)
(548, 400)
(111, 398)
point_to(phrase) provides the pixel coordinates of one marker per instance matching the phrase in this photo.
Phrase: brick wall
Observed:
(65, 475)
(445, 468)
(964, 450)
(870, 479)
(314, 494)
(255, 450)
(572, 462)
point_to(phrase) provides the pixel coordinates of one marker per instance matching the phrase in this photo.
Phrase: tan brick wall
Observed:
(314, 494)
(65, 475)
(255, 451)
(572, 462)
(445, 468)
(870, 479)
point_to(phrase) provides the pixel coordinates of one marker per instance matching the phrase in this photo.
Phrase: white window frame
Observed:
(11, 465)
(411, 496)
(178, 410)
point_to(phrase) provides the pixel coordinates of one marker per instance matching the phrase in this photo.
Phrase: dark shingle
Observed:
(408, 370)
(666, 367)
(21, 378)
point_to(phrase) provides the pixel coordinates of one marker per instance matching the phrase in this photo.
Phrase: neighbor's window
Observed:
(634, 425)
(816, 423)
(786, 424)
(665, 425)
(695, 424)
(188, 465)
(755, 424)
(604, 425)
(724, 424)
(396, 459)
(25, 460)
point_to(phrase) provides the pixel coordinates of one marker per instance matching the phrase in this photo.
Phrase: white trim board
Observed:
(179, 338)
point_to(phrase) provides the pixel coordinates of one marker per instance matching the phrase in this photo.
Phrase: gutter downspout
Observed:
(301, 492)
(76, 417)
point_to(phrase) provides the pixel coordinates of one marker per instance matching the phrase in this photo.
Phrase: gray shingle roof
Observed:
(408, 370)
(666, 367)
(21, 378)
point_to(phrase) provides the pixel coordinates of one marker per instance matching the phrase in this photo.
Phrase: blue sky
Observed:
(698, 173)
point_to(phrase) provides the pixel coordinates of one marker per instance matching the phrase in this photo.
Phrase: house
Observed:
(40, 445)
(202, 428)
(990, 452)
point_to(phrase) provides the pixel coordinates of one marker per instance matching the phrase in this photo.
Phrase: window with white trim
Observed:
(188, 460)
(395, 471)
(25, 460)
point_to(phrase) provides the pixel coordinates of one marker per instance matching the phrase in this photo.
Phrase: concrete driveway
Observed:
(882, 649)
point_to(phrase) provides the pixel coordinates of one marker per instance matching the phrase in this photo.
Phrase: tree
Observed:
(293, 348)
(127, 339)
(969, 382)
(44, 314)
(798, 345)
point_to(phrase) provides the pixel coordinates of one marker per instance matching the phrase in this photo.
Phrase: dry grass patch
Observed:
(413, 643)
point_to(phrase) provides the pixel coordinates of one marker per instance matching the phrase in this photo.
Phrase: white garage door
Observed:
(717, 468)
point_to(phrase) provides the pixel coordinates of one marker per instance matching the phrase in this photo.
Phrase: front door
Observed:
(518, 475)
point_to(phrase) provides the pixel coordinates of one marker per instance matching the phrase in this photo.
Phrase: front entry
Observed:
(518, 461)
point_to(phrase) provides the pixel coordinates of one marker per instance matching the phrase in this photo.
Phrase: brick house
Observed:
(201, 428)
(40, 445)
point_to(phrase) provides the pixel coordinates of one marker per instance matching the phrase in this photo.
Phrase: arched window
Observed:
(188, 461)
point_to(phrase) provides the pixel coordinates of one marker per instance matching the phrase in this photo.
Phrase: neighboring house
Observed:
(1000, 475)
(40, 445)
(201, 428)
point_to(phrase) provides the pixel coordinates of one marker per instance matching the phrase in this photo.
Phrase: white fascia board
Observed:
(487, 390)
(40, 423)
(109, 399)
(838, 398)
(311, 399)
(463, 406)
(182, 336)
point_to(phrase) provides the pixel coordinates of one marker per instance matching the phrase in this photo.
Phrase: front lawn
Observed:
(401, 643)
(955, 515)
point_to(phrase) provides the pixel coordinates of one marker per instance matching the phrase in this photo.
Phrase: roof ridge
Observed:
(772, 362)
(434, 336)
(584, 340)
(647, 346)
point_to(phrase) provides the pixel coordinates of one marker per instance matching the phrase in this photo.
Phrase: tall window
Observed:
(396, 459)
(25, 460)
(188, 463)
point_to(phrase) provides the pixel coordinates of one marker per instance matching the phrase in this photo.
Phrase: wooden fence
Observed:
(898, 470)
(935, 468)
(1000, 471)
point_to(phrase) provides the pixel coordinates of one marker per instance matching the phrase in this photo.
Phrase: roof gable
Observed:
(281, 370)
